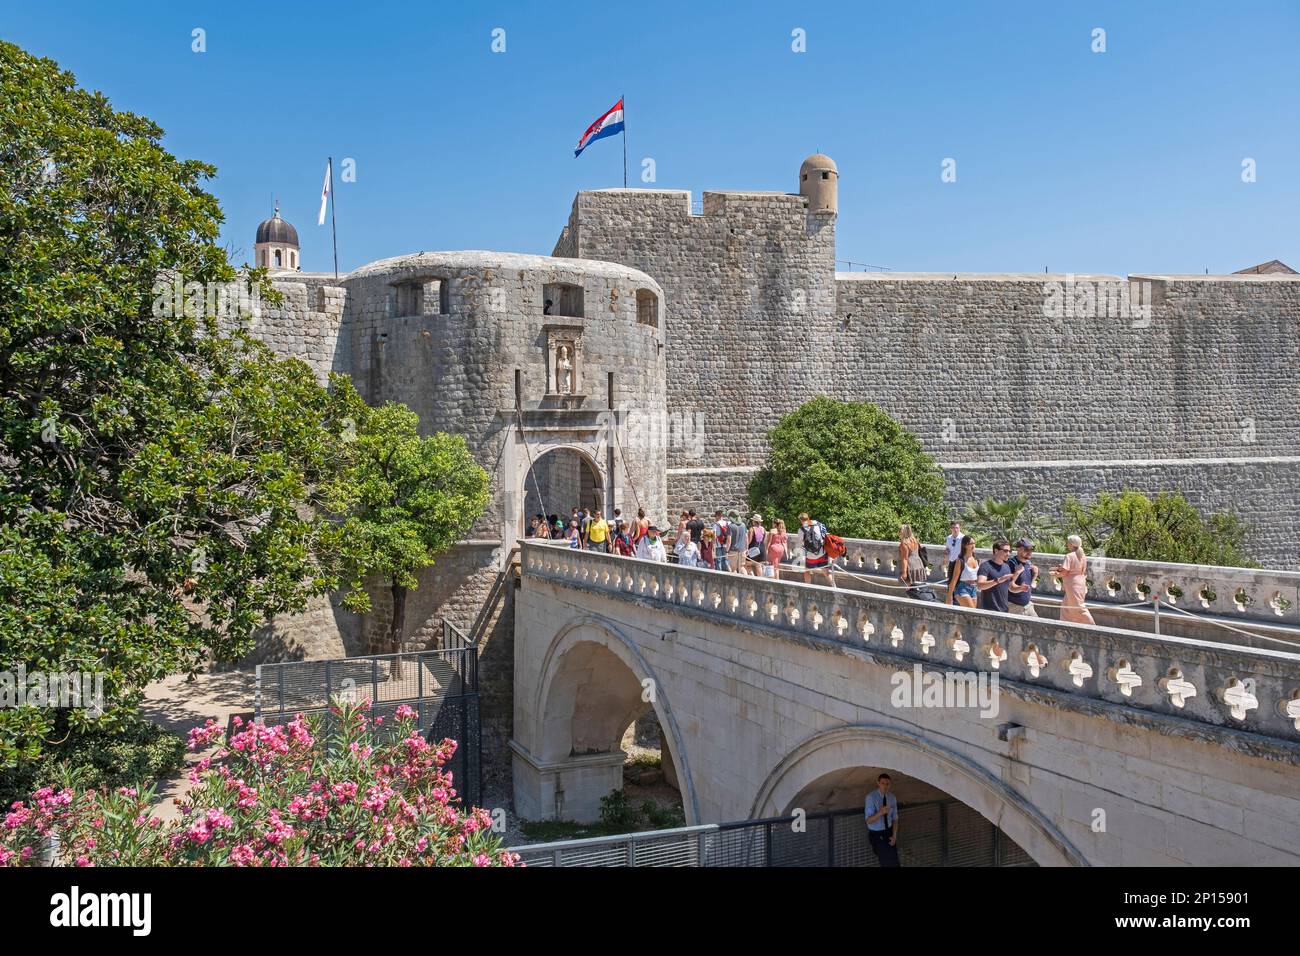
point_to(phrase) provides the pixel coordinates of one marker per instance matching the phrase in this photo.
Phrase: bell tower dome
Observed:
(276, 247)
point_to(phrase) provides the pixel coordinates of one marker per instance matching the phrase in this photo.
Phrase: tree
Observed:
(164, 488)
(1164, 528)
(988, 520)
(414, 497)
(853, 467)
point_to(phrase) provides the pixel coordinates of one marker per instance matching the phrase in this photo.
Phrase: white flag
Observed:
(324, 195)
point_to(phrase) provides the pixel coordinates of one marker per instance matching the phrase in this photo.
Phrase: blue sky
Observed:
(1124, 161)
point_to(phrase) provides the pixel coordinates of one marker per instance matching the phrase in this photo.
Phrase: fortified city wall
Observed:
(1046, 385)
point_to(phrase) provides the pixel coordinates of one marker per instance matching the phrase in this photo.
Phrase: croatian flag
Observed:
(610, 124)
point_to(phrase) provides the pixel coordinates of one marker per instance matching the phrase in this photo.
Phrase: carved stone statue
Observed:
(563, 371)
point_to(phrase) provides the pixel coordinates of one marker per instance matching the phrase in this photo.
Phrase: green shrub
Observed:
(133, 757)
(617, 814)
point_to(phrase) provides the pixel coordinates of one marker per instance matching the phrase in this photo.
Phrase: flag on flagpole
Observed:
(325, 193)
(609, 124)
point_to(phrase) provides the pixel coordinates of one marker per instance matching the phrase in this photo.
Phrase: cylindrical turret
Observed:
(819, 183)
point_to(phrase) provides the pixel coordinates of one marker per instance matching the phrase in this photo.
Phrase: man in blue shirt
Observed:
(1021, 589)
(882, 822)
(994, 579)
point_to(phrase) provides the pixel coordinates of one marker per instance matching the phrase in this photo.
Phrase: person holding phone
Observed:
(881, 811)
(993, 579)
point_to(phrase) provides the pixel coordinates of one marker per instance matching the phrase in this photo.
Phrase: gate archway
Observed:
(559, 480)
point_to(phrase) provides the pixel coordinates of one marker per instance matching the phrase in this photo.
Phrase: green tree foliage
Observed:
(413, 497)
(1012, 519)
(853, 467)
(163, 488)
(1164, 528)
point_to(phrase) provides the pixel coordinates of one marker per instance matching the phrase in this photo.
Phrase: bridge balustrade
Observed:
(1211, 684)
(1250, 594)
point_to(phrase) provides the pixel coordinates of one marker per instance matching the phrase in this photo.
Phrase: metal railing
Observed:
(683, 846)
(441, 686)
(934, 833)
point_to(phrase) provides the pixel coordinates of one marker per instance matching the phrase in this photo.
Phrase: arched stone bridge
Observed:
(1095, 745)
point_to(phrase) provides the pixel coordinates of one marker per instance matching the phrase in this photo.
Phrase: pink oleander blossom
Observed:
(308, 793)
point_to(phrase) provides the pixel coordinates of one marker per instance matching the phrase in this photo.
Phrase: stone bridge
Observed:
(1084, 745)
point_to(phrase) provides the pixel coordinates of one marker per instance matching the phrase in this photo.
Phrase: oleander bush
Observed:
(309, 793)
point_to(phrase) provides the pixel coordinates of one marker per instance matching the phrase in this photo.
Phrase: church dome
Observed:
(277, 230)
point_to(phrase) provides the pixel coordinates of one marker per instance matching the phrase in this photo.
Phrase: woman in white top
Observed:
(963, 575)
(688, 552)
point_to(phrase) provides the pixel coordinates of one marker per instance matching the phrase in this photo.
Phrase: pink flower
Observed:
(243, 855)
(200, 737)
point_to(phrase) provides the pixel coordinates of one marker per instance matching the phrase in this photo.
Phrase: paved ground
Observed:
(180, 704)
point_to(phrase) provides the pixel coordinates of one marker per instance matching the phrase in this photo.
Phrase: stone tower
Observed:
(276, 247)
(819, 183)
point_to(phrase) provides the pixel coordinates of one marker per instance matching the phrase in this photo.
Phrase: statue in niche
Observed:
(563, 371)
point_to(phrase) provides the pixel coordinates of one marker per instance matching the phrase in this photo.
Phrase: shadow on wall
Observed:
(326, 630)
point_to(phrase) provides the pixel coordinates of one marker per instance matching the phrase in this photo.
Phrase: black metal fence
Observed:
(937, 833)
(441, 686)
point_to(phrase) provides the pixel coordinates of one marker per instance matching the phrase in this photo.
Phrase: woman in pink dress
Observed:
(1073, 573)
(775, 546)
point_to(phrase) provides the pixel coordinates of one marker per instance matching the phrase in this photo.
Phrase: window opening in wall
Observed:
(647, 307)
(410, 298)
(562, 298)
(609, 390)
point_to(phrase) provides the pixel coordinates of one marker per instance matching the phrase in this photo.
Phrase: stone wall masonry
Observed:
(1265, 492)
(974, 366)
(750, 283)
(307, 325)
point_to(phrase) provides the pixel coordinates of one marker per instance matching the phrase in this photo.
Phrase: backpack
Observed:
(835, 546)
(814, 537)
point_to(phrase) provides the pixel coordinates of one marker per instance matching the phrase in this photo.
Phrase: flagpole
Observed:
(333, 221)
(623, 100)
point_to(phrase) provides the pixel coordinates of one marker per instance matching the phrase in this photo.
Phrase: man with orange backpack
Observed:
(817, 559)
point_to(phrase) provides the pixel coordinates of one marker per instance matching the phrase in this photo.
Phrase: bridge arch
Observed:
(590, 690)
(866, 745)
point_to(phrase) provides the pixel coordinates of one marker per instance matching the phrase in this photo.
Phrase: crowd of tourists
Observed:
(726, 543)
(1004, 582)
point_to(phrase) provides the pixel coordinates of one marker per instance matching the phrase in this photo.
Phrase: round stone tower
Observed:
(819, 183)
(276, 247)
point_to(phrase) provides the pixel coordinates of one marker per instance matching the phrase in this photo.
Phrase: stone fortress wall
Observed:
(1034, 384)
(724, 321)
(462, 338)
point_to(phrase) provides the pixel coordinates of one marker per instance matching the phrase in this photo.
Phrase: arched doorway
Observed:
(831, 767)
(560, 480)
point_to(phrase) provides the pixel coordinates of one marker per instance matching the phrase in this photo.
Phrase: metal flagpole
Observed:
(334, 221)
(622, 100)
